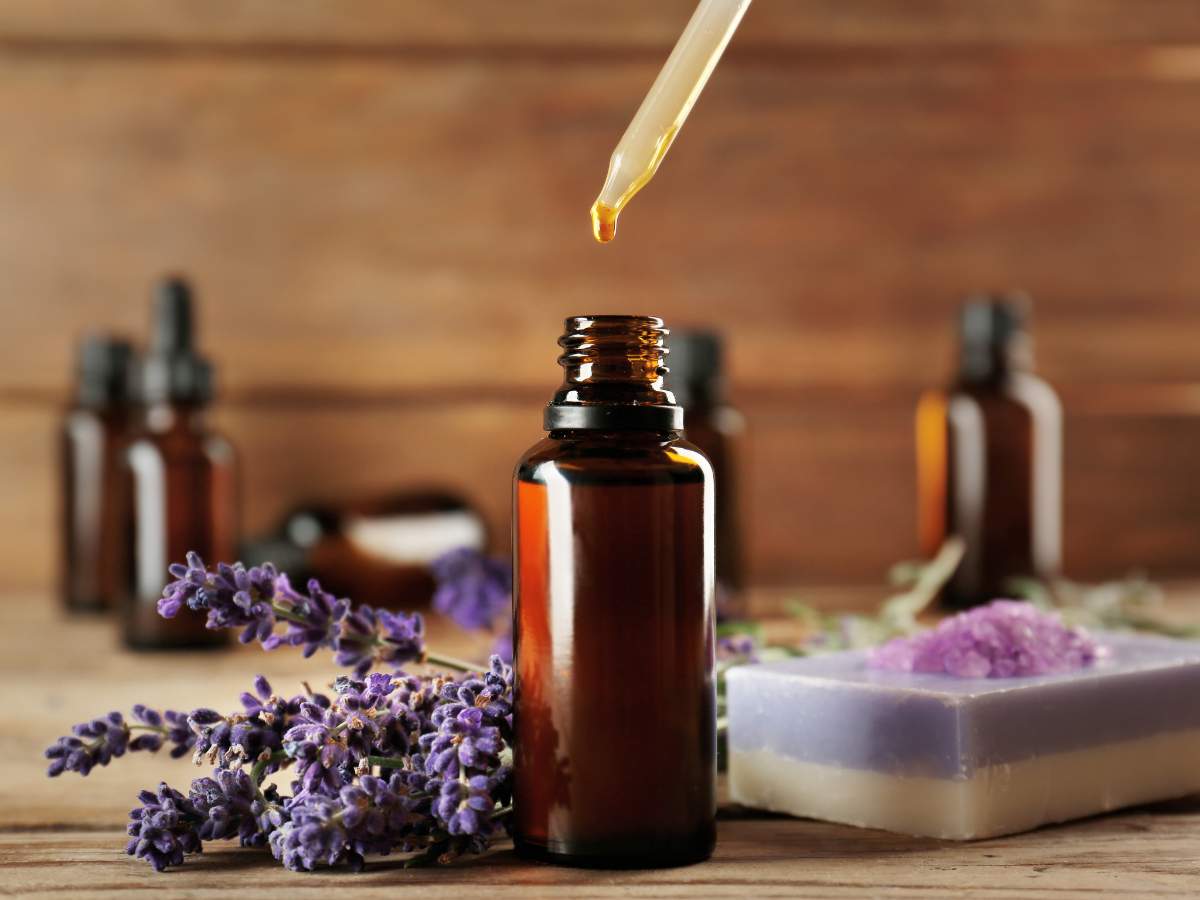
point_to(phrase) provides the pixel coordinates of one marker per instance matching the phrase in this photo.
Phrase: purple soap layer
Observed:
(835, 710)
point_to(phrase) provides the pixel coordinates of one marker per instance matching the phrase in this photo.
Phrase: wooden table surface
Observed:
(66, 836)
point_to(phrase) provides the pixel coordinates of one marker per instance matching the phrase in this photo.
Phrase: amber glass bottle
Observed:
(180, 491)
(697, 380)
(615, 704)
(989, 458)
(93, 435)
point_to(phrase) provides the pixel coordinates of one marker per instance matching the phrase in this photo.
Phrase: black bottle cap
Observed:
(696, 368)
(172, 371)
(103, 370)
(992, 333)
(600, 417)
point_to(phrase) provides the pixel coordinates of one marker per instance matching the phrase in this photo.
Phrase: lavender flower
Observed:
(256, 600)
(314, 835)
(461, 741)
(166, 727)
(372, 635)
(1004, 639)
(313, 621)
(466, 807)
(92, 744)
(317, 742)
(389, 763)
(234, 596)
(164, 828)
(231, 805)
(374, 816)
(472, 589)
(98, 742)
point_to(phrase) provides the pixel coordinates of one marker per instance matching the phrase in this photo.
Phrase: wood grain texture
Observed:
(377, 225)
(64, 837)
(621, 23)
(1143, 853)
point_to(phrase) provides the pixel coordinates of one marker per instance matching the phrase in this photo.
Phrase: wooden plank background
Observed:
(384, 205)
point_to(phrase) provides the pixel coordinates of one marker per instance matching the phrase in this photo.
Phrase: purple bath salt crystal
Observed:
(1004, 639)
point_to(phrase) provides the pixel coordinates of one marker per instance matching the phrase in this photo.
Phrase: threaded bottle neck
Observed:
(613, 368)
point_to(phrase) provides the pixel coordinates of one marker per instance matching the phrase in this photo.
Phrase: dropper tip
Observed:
(604, 222)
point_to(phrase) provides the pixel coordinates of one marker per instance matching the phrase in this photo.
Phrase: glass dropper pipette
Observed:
(661, 115)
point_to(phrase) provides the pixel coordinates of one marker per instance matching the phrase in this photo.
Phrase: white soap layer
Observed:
(1001, 799)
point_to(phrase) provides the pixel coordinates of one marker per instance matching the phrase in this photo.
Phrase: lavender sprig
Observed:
(389, 763)
(409, 764)
(443, 788)
(224, 740)
(98, 742)
(258, 599)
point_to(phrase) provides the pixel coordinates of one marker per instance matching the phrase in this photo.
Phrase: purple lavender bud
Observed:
(164, 828)
(376, 635)
(472, 589)
(317, 742)
(231, 805)
(91, 744)
(315, 835)
(466, 808)
(403, 637)
(262, 687)
(1004, 639)
(463, 740)
(320, 616)
(233, 596)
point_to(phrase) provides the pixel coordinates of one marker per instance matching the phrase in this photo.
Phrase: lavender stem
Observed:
(450, 662)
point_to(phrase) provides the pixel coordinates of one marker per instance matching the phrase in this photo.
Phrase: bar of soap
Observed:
(933, 755)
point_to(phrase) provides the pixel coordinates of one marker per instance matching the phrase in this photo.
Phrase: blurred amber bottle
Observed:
(93, 435)
(989, 458)
(376, 550)
(180, 491)
(697, 379)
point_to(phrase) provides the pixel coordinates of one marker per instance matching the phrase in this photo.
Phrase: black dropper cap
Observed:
(172, 371)
(103, 369)
(992, 334)
(696, 364)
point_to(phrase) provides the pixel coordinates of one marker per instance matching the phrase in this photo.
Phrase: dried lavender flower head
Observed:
(1004, 639)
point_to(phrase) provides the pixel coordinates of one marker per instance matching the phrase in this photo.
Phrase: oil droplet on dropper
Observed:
(604, 215)
(604, 222)
(649, 136)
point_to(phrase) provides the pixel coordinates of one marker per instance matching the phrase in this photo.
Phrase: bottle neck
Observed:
(613, 369)
(994, 362)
